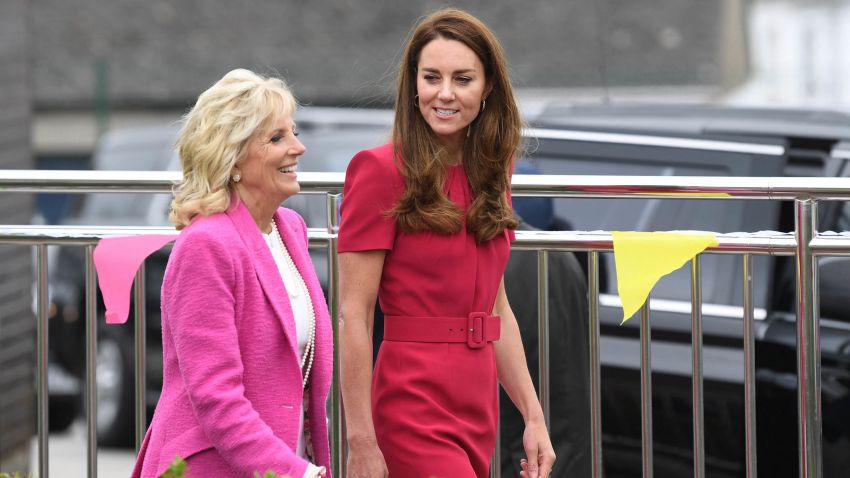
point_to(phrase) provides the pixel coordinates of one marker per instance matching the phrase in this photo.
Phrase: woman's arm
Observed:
(515, 379)
(359, 276)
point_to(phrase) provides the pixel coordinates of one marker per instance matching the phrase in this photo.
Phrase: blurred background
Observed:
(72, 71)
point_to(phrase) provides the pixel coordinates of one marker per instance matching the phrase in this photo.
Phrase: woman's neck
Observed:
(261, 211)
(454, 152)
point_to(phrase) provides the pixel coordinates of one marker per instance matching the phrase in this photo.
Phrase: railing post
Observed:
(41, 361)
(140, 343)
(696, 365)
(595, 374)
(646, 391)
(338, 439)
(91, 363)
(543, 333)
(808, 341)
(749, 370)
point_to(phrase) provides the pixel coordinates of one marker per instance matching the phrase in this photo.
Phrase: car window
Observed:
(721, 274)
(132, 149)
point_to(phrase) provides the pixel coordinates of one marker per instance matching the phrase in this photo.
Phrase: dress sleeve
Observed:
(372, 187)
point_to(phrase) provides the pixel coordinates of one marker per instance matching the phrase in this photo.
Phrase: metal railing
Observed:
(805, 244)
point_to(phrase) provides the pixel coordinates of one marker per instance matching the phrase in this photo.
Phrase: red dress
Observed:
(434, 405)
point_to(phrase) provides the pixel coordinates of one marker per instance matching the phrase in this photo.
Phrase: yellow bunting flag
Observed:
(642, 258)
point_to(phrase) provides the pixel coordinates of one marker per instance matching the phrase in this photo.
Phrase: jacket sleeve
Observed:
(199, 303)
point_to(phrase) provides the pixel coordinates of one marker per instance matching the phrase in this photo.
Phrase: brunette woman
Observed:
(426, 229)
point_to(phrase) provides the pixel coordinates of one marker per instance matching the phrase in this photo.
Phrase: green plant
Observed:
(177, 469)
(270, 474)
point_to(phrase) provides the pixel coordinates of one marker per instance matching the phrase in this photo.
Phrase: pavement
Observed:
(67, 456)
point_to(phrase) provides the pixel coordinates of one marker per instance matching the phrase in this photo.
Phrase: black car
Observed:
(669, 140)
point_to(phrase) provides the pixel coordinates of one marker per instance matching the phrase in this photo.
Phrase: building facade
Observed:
(17, 325)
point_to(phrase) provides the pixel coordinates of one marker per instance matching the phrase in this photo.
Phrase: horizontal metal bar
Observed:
(773, 243)
(81, 181)
(831, 245)
(82, 235)
(91, 181)
(76, 235)
(645, 187)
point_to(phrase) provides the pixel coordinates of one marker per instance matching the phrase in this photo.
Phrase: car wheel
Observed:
(65, 397)
(115, 400)
(62, 413)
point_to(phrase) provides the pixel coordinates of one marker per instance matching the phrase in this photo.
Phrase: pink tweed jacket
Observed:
(231, 389)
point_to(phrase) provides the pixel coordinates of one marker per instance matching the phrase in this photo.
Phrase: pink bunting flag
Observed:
(116, 260)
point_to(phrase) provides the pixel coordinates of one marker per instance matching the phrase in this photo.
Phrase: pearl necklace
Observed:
(310, 349)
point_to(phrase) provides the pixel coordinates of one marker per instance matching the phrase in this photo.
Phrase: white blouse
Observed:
(300, 310)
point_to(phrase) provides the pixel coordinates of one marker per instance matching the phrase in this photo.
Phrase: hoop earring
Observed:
(416, 101)
(483, 104)
(468, 129)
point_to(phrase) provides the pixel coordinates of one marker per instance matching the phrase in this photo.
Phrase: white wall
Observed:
(799, 54)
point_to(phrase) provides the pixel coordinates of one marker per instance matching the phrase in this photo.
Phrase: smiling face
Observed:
(451, 83)
(268, 171)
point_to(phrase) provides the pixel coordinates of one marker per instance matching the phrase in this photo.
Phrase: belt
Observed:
(475, 330)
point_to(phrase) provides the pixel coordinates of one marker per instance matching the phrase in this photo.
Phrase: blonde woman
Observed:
(247, 347)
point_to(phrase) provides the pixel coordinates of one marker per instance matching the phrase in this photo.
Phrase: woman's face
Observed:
(268, 170)
(451, 83)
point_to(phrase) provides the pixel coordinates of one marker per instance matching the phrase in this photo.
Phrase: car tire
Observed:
(64, 402)
(115, 399)
(62, 413)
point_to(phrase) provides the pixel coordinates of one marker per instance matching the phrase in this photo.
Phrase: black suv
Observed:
(666, 140)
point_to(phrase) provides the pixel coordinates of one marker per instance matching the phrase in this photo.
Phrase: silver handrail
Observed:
(646, 187)
(805, 244)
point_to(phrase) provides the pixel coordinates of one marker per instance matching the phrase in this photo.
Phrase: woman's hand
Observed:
(365, 460)
(314, 471)
(538, 450)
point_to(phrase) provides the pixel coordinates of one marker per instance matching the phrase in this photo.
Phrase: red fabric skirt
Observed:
(435, 408)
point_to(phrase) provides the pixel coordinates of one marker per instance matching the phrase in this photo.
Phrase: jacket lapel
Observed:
(268, 274)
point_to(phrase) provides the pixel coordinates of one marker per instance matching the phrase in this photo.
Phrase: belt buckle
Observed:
(475, 324)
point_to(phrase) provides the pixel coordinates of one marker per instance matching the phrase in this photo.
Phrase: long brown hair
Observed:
(488, 152)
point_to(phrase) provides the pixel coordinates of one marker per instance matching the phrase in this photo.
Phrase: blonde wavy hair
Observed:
(214, 137)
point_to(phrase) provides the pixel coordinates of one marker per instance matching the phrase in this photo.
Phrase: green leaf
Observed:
(270, 474)
(177, 469)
